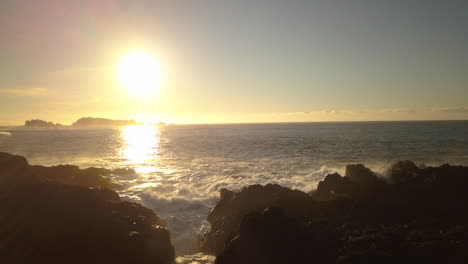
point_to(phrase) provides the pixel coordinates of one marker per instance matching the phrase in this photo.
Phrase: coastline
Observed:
(408, 217)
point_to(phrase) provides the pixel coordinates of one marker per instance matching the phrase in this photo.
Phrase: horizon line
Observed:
(279, 122)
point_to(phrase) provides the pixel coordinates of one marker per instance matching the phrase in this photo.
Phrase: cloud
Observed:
(68, 71)
(27, 92)
(398, 110)
(337, 112)
(463, 109)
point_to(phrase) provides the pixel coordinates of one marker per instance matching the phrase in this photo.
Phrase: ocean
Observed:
(181, 168)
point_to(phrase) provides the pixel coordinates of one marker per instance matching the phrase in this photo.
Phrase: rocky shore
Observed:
(75, 219)
(413, 216)
(64, 214)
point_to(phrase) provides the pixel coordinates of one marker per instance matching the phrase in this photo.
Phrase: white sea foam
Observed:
(185, 197)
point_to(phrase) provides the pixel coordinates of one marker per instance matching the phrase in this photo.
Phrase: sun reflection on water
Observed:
(140, 146)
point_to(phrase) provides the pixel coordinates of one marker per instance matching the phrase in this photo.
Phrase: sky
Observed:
(236, 61)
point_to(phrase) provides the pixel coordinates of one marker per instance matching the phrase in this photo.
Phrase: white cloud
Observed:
(462, 109)
(27, 92)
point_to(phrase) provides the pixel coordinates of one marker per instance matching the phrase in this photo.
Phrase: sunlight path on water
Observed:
(195, 259)
(140, 145)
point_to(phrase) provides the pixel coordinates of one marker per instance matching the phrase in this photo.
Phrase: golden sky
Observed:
(230, 62)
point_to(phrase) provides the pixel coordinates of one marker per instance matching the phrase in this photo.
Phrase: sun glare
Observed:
(140, 73)
(140, 146)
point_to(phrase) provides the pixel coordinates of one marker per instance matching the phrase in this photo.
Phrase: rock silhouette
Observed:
(228, 213)
(414, 216)
(46, 222)
(64, 214)
(272, 237)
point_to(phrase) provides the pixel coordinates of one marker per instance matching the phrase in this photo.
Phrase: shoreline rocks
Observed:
(417, 215)
(64, 214)
(228, 213)
(43, 220)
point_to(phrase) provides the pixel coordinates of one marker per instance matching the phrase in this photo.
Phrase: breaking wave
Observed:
(185, 199)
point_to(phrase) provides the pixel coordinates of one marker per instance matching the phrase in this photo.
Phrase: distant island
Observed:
(40, 123)
(82, 122)
(103, 122)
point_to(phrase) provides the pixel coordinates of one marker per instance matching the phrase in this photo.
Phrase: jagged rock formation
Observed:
(272, 237)
(13, 166)
(414, 216)
(71, 174)
(46, 222)
(228, 213)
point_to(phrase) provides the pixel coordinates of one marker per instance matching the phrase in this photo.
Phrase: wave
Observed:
(2, 133)
(184, 200)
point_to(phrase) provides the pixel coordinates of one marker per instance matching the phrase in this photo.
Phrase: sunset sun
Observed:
(140, 73)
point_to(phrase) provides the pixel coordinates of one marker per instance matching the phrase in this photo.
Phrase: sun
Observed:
(140, 73)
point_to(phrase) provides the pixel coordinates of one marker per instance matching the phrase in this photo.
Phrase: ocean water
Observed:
(182, 167)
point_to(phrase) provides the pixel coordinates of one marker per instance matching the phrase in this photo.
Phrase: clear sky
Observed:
(236, 61)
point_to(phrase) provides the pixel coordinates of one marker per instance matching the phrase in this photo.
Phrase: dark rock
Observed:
(358, 181)
(45, 222)
(51, 223)
(407, 243)
(420, 217)
(333, 186)
(71, 174)
(14, 172)
(227, 215)
(15, 169)
(359, 173)
(271, 237)
(125, 172)
(11, 164)
(403, 171)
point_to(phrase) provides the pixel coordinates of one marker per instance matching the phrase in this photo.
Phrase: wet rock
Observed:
(333, 186)
(14, 172)
(125, 172)
(360, 174)
(10, 164)
(420, 216)
(227, 215)
(407, 243)
(272, 237)
(71, 174)
(358, 181)
(54, 223)
(403, 171)
(17, 168)
(79, 222)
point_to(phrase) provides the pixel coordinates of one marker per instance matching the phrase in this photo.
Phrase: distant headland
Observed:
(40, 123)
(82, 122)
(103, 122)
